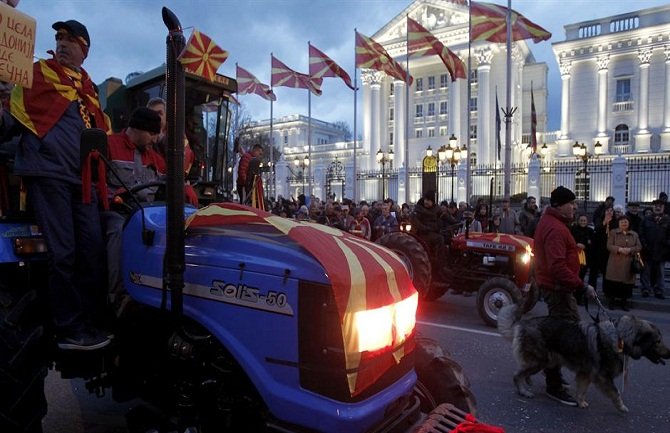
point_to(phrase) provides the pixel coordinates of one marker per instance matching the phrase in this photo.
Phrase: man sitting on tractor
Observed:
(426, 224)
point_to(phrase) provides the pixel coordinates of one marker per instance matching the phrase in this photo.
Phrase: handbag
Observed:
(636, 264)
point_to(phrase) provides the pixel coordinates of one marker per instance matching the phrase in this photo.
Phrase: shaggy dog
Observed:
(594, 351)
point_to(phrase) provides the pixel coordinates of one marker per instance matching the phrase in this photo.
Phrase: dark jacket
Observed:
(425, 220)
(528, 219)
(655, 237)
(586, 237)
(556, 254)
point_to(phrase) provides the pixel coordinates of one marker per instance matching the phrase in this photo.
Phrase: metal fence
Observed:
(646, 176)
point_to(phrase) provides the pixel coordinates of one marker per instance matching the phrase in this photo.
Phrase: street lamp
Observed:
(581, 152)
(384, 158)
(302, 164)
(451, 154)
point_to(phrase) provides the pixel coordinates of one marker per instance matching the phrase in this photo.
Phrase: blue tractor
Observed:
(230, 323)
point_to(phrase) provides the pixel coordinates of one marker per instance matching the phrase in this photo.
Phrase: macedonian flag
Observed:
(364, 277)
(201, 56)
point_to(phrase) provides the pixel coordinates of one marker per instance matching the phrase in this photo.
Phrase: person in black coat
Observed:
(426, 224)
(655, 239)
(584, 236)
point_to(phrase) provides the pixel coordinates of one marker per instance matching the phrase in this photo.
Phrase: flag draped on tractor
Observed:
(371, 55)
(320, 65)
(489, 23)
(364, 277)
(284, 76)
(201, 56)
(247, 83)
(422, 43)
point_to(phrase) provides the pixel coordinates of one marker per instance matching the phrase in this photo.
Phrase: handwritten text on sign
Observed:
(17, 46)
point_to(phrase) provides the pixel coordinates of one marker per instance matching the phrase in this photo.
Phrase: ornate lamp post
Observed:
(304, 163)
(451, 154)
(581, 152)
(384, 158)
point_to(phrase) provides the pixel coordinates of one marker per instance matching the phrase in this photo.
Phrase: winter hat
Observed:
(145, 119)
(561, 196)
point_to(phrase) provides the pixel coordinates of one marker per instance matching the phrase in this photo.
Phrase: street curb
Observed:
(647, 304)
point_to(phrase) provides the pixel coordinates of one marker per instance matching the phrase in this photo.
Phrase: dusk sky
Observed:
(129, 35)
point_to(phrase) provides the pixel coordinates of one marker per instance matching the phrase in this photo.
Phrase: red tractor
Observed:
(495, 265)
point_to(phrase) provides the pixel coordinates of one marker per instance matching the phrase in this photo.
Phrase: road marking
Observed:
(458, 328)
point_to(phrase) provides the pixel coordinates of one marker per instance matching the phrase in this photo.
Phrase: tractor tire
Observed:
(415, 257)
(23, 365)
(440, 378)
(494, 294)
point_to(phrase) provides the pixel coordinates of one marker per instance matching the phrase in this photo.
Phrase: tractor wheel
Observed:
(415, 257)
(23, 365)
(494, 294)
(440, 378)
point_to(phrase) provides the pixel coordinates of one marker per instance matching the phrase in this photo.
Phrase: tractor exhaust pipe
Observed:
(174, 251)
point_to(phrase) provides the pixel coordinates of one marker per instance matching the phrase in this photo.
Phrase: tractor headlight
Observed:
(385, 326)
(526, 256)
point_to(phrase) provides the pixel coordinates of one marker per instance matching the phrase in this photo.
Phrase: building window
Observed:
(431, 132)
(431, 83)
(443, 131)
(418, 133)
(419, 85)
(443, 107)
(623, 90)
(431, 108)
(621, 135)
(444, 81)
(473, 76)
(473, 132)
(391, 114)
(419, 110)
(391, 86)
(391, 139)
(285, 138)
(473, 103)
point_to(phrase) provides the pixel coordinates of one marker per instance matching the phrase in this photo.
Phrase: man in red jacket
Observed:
(557, 273)
(246, 170)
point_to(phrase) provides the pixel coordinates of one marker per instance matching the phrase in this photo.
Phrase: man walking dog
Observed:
(557, 273)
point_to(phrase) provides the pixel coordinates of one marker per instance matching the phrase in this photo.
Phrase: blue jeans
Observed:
(74, 240)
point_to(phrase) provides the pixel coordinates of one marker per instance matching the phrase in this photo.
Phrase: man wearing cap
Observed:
(557, 273)
(135, 162)
(50, 117)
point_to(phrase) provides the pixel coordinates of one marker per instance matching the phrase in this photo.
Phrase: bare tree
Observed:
(344, 126)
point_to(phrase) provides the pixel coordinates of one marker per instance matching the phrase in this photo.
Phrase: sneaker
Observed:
(86, 339)
(562, 397)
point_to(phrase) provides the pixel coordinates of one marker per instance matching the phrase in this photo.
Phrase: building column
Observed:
(618, 186)
(564, 142)
(533, 179)
(399, 123)
(372, 115)
(517, 101)
(665, 135)
(643, 136)
(603, 62)
(484, 57)
(455, 109)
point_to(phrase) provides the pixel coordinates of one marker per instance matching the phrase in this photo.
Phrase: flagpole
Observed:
(407, 196)
(272, 144)
(509, 112)
(309, 144)
(355, 123)
(468, 168)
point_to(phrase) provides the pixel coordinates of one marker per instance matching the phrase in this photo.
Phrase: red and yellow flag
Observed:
(364, 276)
(201, 56)
(247, 83)
(423, 43)
(489, 23)
(320, 65)
(371, 55)
(284, 76)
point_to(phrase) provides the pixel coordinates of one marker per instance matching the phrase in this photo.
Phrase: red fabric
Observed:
(423, 43)
(284, 76)
(471, 425)
(52, 82)
(243, 168)
(190, 195)
(120, 148)
(556, 253)
(248, 83)
(320, 65)
(489, 23)
(86, 179)
(370, 54)
(201, 56)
